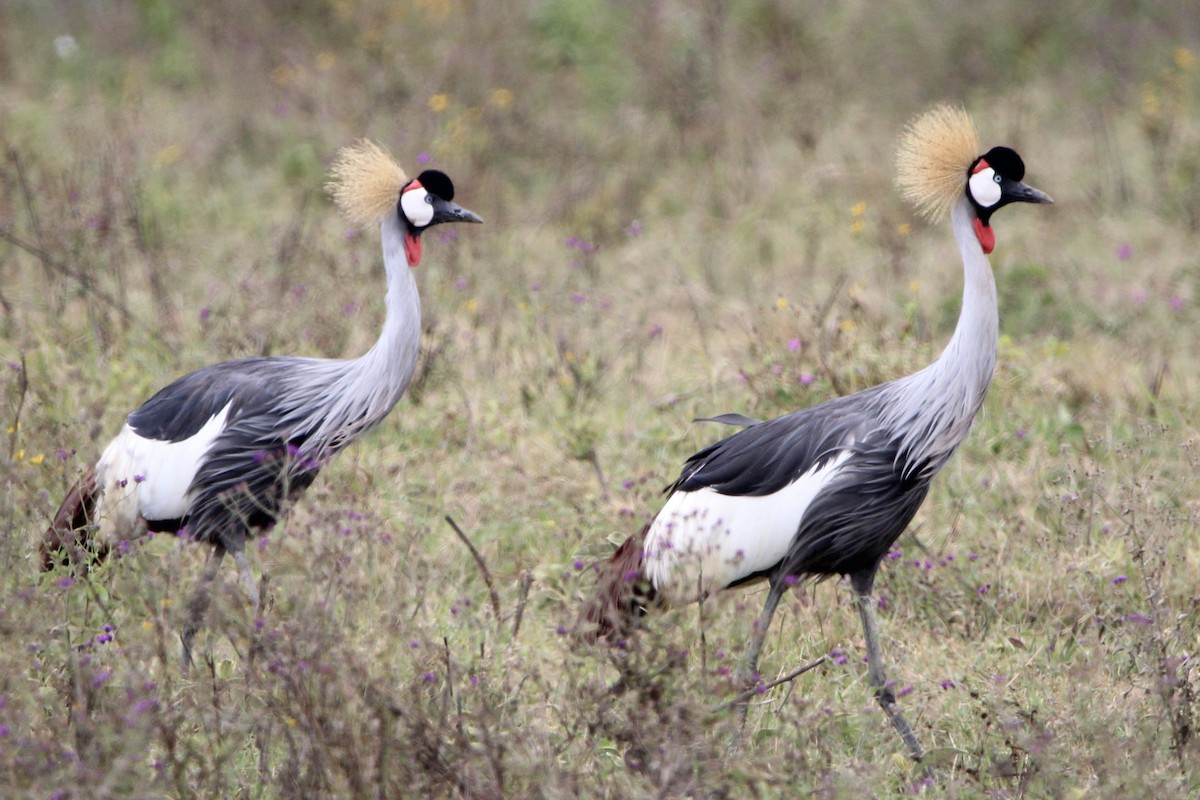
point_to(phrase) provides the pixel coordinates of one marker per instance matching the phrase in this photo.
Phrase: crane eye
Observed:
(429, 197)
(996, 178)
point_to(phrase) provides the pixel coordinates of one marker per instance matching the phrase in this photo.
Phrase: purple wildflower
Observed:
(1124, 251)
(1120, 579)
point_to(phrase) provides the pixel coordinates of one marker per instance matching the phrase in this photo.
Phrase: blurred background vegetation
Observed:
(689, 210)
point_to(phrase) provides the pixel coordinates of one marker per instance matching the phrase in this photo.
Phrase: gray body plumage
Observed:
(827, 490)
(285, 418)
(219, 452)
(873, 453)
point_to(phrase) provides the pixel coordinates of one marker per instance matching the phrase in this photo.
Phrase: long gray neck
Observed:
(935, 407)
(389, 364)
(971, 352)
(349, 396)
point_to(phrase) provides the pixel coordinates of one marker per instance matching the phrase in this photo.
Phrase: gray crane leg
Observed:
(246, 579)
(198, 604)
(883, 692)
(764, 621)
(749, 669)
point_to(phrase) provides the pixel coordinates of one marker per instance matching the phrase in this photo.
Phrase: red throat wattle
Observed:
(412, 249)
(984, 233)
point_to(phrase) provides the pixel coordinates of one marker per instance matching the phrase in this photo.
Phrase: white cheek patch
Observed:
(984, 188)
(416, 210)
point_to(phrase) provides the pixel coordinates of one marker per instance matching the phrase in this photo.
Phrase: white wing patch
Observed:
(702, 541)
(149, 478)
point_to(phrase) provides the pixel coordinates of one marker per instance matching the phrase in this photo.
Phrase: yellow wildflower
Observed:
(37, 459)
(1183, 58)
(439, 102)
(283, 75)
(904, 229)
(858, 209)
(501, 98)
(168, 156)
(781, 303)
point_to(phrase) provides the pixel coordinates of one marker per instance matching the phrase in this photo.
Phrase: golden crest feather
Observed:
(933, 157)
(365, 182)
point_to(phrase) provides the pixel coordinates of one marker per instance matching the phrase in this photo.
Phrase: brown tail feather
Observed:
(622, 594)
(69, 537)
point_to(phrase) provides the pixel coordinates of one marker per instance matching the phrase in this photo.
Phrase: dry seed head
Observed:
(365, 182)
(932, 160)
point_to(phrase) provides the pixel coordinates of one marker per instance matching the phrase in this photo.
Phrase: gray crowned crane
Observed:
(217, 455)
(826, 490)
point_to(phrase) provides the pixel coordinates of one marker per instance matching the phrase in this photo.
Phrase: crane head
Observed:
(424, 202)
(938, 160)
(994, 181)
(367, 184)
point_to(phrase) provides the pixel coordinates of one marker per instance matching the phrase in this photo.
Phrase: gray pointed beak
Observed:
(1018, 192)
(445, 211)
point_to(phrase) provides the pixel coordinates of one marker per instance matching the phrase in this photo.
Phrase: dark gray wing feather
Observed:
(855, 519)
(737, 420)
(255, 465)
(180, 410)
(852, 524)
(766, 457)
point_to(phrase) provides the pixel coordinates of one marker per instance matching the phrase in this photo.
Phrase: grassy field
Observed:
(689, 211)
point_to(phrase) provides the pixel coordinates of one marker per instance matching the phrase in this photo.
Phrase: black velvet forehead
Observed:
(1006, 162)
(438, 183)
